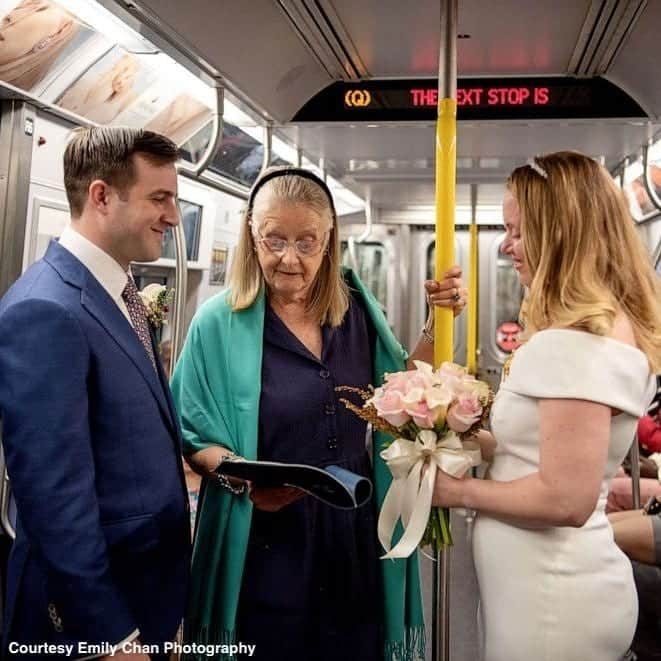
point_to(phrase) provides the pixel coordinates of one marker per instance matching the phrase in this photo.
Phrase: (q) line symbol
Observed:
(357, 98)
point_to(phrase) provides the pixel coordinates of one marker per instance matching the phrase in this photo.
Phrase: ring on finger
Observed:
(456, 296)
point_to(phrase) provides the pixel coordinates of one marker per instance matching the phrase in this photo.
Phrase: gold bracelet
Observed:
(224, 481)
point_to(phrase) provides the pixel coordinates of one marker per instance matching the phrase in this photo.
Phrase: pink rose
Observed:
(396, 380)
(451, 370)
(464, 412)
(424, 374)
(427, 407)
(471, 386)
(437, 396)
(451, 376)
(389, 405)
(438, 399)
(422, 415)
(410, 380)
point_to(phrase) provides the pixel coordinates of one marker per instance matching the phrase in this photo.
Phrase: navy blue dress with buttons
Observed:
(311, 583)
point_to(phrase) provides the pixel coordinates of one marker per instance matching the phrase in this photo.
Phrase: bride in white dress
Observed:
(553, 584)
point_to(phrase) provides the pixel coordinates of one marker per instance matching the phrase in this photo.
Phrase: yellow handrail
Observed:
(446, 167)
(473, 292)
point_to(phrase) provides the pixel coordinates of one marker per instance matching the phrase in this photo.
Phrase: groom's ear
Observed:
(98, 195)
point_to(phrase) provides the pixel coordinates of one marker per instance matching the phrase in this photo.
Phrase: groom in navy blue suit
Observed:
(90, 433)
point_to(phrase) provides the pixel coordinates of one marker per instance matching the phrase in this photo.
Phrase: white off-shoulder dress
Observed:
(560, 593)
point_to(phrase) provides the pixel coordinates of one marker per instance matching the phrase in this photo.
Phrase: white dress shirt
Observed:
(113, 278)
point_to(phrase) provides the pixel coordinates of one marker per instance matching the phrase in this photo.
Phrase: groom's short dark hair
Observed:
(106, 153)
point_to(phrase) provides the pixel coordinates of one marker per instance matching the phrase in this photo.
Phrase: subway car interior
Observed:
(349, 90)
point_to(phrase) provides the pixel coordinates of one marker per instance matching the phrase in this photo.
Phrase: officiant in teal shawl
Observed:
(256, 378)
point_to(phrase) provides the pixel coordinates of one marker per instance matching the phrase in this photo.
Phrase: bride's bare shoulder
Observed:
(623, 330)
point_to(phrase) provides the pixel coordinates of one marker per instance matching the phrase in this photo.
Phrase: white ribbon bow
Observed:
(409, 497)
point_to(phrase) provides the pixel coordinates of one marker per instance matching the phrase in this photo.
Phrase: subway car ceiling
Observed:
(352, 84)
(293, 51)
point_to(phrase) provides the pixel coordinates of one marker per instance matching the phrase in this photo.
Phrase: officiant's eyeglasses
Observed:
(303, 247)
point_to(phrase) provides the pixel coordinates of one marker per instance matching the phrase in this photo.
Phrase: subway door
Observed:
(17, 120)
(48, 208)
(422, 257)
(500, 296)
(377, 260)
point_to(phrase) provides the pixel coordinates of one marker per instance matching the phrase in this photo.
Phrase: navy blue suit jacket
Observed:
(92, 447)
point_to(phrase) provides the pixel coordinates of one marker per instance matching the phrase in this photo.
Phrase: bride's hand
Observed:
(448, 490)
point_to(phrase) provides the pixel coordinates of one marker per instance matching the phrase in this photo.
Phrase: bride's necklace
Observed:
(507, 365)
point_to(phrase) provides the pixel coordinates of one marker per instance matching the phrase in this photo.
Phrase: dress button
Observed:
(329, 409)
(324, 374)
(332, 443)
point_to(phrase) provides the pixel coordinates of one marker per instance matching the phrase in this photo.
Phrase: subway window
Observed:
(371, 267)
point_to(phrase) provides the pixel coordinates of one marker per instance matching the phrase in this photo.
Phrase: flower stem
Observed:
(438, 533)
(444, 522)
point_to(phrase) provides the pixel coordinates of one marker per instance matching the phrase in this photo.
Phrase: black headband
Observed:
(287, 172)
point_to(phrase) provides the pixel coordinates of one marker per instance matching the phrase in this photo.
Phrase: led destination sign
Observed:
(486, 98)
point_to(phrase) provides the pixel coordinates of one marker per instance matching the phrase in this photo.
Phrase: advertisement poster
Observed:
(181, 119)
(36, 36)
(109, 87)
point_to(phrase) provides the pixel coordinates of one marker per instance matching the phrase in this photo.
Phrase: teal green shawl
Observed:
(216, 388)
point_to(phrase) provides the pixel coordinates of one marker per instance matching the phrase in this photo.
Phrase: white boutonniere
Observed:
(156, 299)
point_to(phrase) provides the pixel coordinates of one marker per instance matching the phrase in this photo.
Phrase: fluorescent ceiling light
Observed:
(484, 213)
(176, 79)
(345, 200)
(234, 115)
(283, 150)
(255, 132)
(489, 163)
(309, 165)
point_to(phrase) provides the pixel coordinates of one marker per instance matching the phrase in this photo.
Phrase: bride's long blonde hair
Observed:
(587, 260)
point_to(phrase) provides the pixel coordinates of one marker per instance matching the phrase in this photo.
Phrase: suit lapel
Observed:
(165, 386)
(95, 299)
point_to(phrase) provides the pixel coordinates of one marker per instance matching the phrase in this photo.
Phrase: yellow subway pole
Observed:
(472, 321)
(446, 167)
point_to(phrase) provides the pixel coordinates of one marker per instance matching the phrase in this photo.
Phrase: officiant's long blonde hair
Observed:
(587, 261)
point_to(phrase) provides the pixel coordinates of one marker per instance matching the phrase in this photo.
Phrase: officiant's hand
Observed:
(272, 500)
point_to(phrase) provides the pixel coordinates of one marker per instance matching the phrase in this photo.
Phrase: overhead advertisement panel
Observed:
(37, 38)
(477, 99)
(51, 53)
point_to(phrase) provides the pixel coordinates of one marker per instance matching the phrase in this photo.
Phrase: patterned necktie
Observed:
(138, 316)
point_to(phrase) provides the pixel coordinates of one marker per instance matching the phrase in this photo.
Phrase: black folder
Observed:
(333, 485)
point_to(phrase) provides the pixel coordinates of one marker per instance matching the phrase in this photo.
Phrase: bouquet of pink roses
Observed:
(428, 412)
